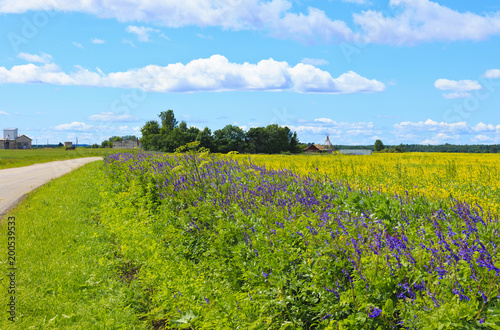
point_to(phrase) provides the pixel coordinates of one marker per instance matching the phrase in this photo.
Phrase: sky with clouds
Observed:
(403, 71)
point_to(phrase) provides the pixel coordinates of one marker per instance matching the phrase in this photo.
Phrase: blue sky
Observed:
(403, 71)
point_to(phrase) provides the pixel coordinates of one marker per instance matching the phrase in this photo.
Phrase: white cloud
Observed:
(492, 74)
(416, 21)
(456, 95)
(433, 132)
(111, 116)
(410, 21)
(311, 28)
(273, 16)
(210, 74)
(79, 45)
(3, 113)
(440, 138)
(322, 126)
(142, 32)
(314, 61)
(75, 126)
(43, 58)
(431, 126)
(481, 127)
(482, 139)
(98, 41)
(309, 79)
(457, 85)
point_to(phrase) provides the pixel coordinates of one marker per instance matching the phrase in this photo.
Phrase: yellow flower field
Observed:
(473, 178)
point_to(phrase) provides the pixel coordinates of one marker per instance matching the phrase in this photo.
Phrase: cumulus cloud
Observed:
(98, 41)
(209, 74)
(492, 74)
(142, 32)
(457, 86)
(409, 22)
(3, 113)
(460, 88)
(489, 128)
(42, 58)
(111, 116)
(416, 21)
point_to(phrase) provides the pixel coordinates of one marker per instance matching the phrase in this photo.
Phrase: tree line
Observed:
(168, 134)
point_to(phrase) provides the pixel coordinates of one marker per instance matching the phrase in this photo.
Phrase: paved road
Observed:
(16, 182)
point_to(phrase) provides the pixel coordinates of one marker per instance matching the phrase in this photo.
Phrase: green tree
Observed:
(168, 121)
(379, 146)
(150, 135)
(229, 138)
(206, 139)
(295, 144)
(258, 139)
(399, 148)
(192, 133)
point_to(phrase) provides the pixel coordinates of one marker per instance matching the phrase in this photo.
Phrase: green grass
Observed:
(67, 266)
(18, 158)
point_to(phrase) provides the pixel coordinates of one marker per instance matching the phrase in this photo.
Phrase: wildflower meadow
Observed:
(213, 242)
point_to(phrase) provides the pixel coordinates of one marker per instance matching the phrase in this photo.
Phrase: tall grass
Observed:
(68, 267)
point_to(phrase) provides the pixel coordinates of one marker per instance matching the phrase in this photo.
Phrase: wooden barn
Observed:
(316, 148)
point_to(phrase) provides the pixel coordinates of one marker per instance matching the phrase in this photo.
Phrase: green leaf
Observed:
(389, 307)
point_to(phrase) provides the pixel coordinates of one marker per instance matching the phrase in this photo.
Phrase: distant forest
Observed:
(168, 135)
(472, 148)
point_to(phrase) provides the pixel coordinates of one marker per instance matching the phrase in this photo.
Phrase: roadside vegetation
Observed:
(68, 267)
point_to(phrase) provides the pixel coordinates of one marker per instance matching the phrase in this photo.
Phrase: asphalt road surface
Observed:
(17, 182)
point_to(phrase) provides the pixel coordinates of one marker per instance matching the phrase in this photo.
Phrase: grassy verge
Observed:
(18, 158)
(67, 265)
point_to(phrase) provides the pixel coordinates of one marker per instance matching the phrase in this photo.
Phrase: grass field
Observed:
(152, 241)
(17, 158)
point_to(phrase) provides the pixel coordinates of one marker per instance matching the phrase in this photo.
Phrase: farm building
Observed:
(11, 140)
(127, 144)
(355, 152)
(316, 148)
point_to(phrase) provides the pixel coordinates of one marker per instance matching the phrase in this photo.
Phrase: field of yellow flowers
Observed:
(472, 178)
